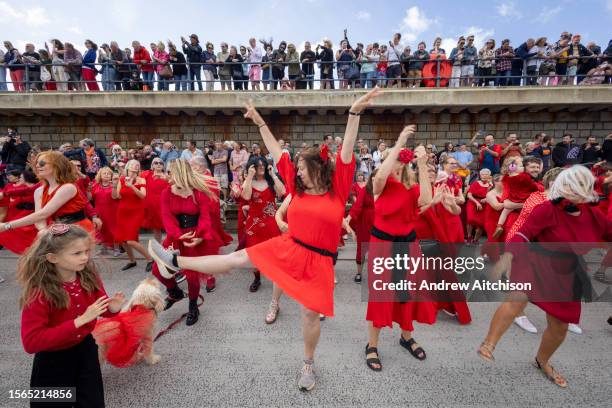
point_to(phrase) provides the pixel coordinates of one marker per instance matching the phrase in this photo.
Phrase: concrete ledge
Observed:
(596, 98)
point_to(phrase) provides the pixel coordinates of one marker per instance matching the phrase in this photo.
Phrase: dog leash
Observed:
(177, 321)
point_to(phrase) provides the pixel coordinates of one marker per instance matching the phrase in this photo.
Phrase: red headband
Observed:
(405, 156)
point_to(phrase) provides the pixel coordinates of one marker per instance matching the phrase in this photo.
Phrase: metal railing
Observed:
(428, 73)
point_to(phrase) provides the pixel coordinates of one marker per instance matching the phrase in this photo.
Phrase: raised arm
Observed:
(379, 181)
(352, 125)
(425, 194)
(247, 186)
(266, 134)
(279, 187)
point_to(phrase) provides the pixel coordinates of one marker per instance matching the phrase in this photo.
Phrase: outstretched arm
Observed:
(379, 181)
(266, 134)
(352, 126)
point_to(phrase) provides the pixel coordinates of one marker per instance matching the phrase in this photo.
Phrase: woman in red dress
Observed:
(476, 195)
(493, 208)
(157, 181)
(58, 199)
(397, 199)
(552, 261)
(260, 189)
(361, 219)
(243, 208)
(131, 192)
(106, 206)
(185, 207)
(21, 203)
(300, 261)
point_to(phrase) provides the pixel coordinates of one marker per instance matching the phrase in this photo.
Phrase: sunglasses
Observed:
(158, 162)
(41, 163)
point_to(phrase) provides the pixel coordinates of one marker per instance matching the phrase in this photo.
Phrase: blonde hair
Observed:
(129, 164)
(575, 184)
(41, 279)
(98, 178)
(161, 46)
(185, 179)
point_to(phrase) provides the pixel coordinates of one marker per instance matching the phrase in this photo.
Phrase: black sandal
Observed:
(357, 278)
(373, 360)
(417, 353)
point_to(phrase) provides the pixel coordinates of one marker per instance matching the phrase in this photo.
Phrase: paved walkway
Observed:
(230, 358)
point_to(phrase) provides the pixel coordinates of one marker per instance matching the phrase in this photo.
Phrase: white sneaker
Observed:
(116, 253)
(524, 323)
(574, 328)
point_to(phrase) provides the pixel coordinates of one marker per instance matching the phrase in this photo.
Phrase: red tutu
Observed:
(126, 337)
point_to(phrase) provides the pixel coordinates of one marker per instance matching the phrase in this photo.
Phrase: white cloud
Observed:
(547, 14)
(75, 30)
(414, 23)
(364, 15)
(480, 37)
(30, 16)
(609, 6)
(508, 9)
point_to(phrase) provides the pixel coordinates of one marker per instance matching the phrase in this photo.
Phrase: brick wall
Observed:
(48, 131)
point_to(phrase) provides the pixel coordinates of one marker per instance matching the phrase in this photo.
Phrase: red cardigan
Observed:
(46, 328)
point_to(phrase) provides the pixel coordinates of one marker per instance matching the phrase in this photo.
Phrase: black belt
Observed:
(324, 252)
(187, 220)
(25, 206)
(397, 275)
(72, 218)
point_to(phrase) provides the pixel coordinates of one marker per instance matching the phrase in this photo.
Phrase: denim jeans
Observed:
(163, 84)
(181, 82)
(503, 78)
(195, 74)
(3, 86)
(148, 78)
(368, 79)
(108, 78)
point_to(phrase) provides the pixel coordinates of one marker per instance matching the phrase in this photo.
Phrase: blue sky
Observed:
(234, 21)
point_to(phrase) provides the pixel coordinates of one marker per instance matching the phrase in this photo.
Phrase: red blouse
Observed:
(173, 205)
(46, 328)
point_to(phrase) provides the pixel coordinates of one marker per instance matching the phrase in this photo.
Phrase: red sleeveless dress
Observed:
(75, 204)
(316, 220)
(395, 213)
(475, 217)
(106, 207)
(130, 213)
(260, 223)
(155, 186)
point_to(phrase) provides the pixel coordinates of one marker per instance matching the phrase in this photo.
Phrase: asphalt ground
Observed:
(231, 358)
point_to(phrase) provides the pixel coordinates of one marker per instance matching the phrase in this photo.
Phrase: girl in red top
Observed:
(361, 219)
(61, 299)
(566, 218)
(300, 261)
(131, 192)
(397, 199)
(260, 189)
(157, 181)
(518, 185)
(58, 199)
(106, 206)
(21, 204)
(185, 207)
(476, 195)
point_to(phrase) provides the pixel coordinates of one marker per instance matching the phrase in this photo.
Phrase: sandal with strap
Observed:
(273, 311)
(554, 375)
(417, 353)
(485, 351)
(373, 360)
(499, 231)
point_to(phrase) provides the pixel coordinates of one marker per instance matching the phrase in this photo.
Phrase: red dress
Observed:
(106, 207)
(155, 186)
(130, 213)
(451, 222)
(20, 203)
(475, 217)
(126, 337)
(260, 223)
(395, 213)
(316, 220)
(240, 203)
(491, 217)
(214, 210)
(75, 204)
(362, 219)
(555, 273)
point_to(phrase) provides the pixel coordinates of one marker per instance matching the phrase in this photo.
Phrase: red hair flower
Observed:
(324, 153)
(405, 156)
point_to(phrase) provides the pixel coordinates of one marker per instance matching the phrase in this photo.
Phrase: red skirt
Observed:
(384, 313)
(129, 221)
(152, 218)
(363, 227)
(475, 218)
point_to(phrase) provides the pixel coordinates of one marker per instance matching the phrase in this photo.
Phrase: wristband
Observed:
(354, 113)
(261, 126)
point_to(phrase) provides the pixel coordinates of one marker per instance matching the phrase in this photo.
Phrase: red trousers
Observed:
(89, 76)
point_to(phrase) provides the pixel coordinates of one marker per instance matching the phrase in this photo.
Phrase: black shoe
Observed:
(174, 296)
(130, 265)
(255, 285)
(194, 312)
(357, 278)
(179, 277)
(149, 266)
(210, 289)
(417, 353)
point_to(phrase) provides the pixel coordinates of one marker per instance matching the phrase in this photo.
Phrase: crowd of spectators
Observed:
(259, 65)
